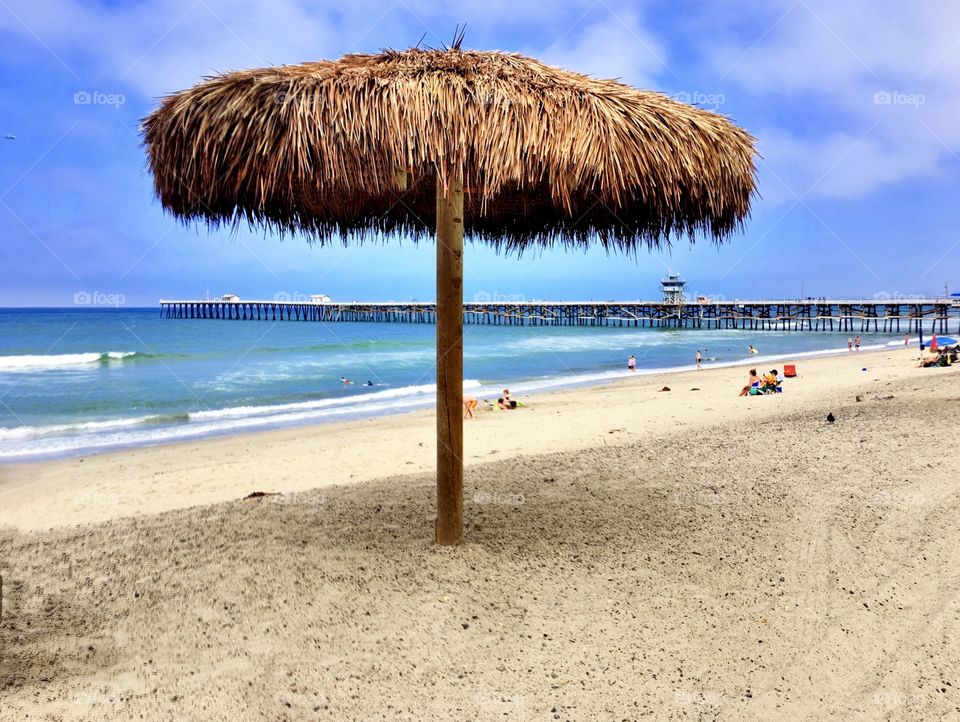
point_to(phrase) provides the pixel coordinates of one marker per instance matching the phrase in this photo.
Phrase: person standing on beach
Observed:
(699, 359)
(632, 363)
(906, 340)
(849, 344)
(856, 343)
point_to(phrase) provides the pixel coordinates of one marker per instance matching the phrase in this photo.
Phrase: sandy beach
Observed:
(630, 553)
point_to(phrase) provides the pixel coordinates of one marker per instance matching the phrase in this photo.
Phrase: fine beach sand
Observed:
(630, 553)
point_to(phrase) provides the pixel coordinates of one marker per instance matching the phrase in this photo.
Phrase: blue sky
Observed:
(855, 106)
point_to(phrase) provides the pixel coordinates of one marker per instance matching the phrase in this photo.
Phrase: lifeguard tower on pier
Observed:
(672, 288)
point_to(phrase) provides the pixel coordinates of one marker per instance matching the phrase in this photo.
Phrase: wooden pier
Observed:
(935, 315)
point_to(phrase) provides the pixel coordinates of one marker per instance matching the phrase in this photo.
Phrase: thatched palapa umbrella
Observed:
(498, 147)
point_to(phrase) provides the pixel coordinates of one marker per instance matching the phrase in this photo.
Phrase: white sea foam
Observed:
(400, 396)
(17, 433)
(31, 442)
(56, 361)
(26, 442)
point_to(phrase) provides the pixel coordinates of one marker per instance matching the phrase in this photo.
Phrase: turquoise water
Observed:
(74, 382)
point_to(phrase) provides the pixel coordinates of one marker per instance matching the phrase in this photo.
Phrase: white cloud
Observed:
(802, 75)
(614, 44)
(882, 76)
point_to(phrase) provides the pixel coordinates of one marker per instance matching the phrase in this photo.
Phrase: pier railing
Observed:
(851, 316)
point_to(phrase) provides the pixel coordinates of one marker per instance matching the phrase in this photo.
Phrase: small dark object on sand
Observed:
(830, 417)
(258, 494)
(665, 388)
(859, 398)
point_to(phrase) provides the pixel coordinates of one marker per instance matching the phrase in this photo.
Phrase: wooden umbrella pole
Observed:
(449, 524)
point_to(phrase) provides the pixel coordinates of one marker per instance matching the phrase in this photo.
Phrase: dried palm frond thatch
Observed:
(343, 148)
(478, 144)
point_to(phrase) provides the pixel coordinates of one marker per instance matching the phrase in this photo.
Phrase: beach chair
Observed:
(789, 371)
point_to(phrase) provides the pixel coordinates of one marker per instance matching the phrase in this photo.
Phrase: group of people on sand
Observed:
(505, 402)
(945, 356)
(769, 383)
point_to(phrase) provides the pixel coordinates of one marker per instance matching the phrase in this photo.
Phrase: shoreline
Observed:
(383, 402)
(146, 480)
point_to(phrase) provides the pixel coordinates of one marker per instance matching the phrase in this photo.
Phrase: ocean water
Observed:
(73, 382)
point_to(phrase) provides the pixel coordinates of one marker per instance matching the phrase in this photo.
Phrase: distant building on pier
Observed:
(672, 288)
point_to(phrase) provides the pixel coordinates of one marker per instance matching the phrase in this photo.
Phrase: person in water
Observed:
(632, 363)
(699, 359)
(752, 349)
(344, 380)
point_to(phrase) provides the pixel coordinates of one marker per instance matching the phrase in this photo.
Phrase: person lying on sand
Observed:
(469, 404)
(944, 358)
(752, 382)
